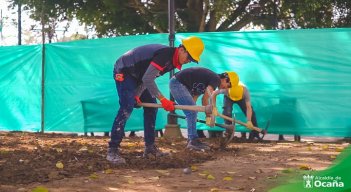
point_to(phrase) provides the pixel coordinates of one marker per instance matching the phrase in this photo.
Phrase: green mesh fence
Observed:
(298, 79)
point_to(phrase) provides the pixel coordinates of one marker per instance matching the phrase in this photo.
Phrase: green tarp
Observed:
(299, 80)
(20, 85)
(80, 90)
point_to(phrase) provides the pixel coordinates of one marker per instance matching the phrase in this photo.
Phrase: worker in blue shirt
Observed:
(134, 74)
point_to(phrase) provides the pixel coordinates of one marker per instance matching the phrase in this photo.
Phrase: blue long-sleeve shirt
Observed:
(146, 63)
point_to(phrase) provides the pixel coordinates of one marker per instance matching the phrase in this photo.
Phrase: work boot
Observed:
(153, 151)
(132, 134)
(197, 145)
(228, 132)
(201, 134)
(281, 138)
(254, 134)
(243, 136)
(114, 156)
(297, 138)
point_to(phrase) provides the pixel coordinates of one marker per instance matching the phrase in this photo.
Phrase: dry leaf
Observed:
(84, 148)
(59, 165)
(339, 149)
(154, 178)
(305, 167)
(214, 190)
(210, 177)
(252, 178)
(310, 143)
(131, 181)
(202, 174)
(332, 156)
(93, 176)
(227, 178)
(59, 150)
(131, 145)
(108, 171)
(3, 152)
(163, 172)
(206, 172)
(193, 168)
(40, 189)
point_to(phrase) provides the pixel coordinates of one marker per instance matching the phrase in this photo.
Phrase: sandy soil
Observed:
(31, 161)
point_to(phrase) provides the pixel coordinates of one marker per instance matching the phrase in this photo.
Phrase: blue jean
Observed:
(126, 93)
(183, 97)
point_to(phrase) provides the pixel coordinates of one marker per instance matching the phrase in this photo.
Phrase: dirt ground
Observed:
(58, 162)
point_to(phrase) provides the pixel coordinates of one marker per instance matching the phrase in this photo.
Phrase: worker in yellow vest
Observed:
(239, 94)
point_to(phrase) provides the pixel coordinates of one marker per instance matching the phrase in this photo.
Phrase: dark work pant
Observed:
(126, 91)
(228, 108)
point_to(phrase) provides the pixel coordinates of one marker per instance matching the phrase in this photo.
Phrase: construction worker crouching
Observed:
(239, 94)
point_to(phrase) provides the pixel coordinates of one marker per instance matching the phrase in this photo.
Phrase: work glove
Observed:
(137, 102)
(137, 99)
(119, 77)
(168, 105)
(208, 110)
(250, 125)
(214, 111)
(209, 121)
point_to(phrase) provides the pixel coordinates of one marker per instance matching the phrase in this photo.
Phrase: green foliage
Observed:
(123, 17)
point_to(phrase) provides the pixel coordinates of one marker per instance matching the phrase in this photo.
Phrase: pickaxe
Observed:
(211, 111)
(262, 131)
(207, 109)
(215, 113)
(230, 129)
(224, 126)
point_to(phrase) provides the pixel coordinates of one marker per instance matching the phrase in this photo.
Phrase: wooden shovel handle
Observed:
(182, 107)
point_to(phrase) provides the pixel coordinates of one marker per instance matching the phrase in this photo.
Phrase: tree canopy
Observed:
(130, 17)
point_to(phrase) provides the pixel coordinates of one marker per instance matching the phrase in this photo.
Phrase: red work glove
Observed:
(137, 102)
(119, 77)
(137, 99)
(168, 105)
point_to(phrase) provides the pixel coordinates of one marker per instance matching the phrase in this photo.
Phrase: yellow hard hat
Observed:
(236, 91)
(194, 46)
